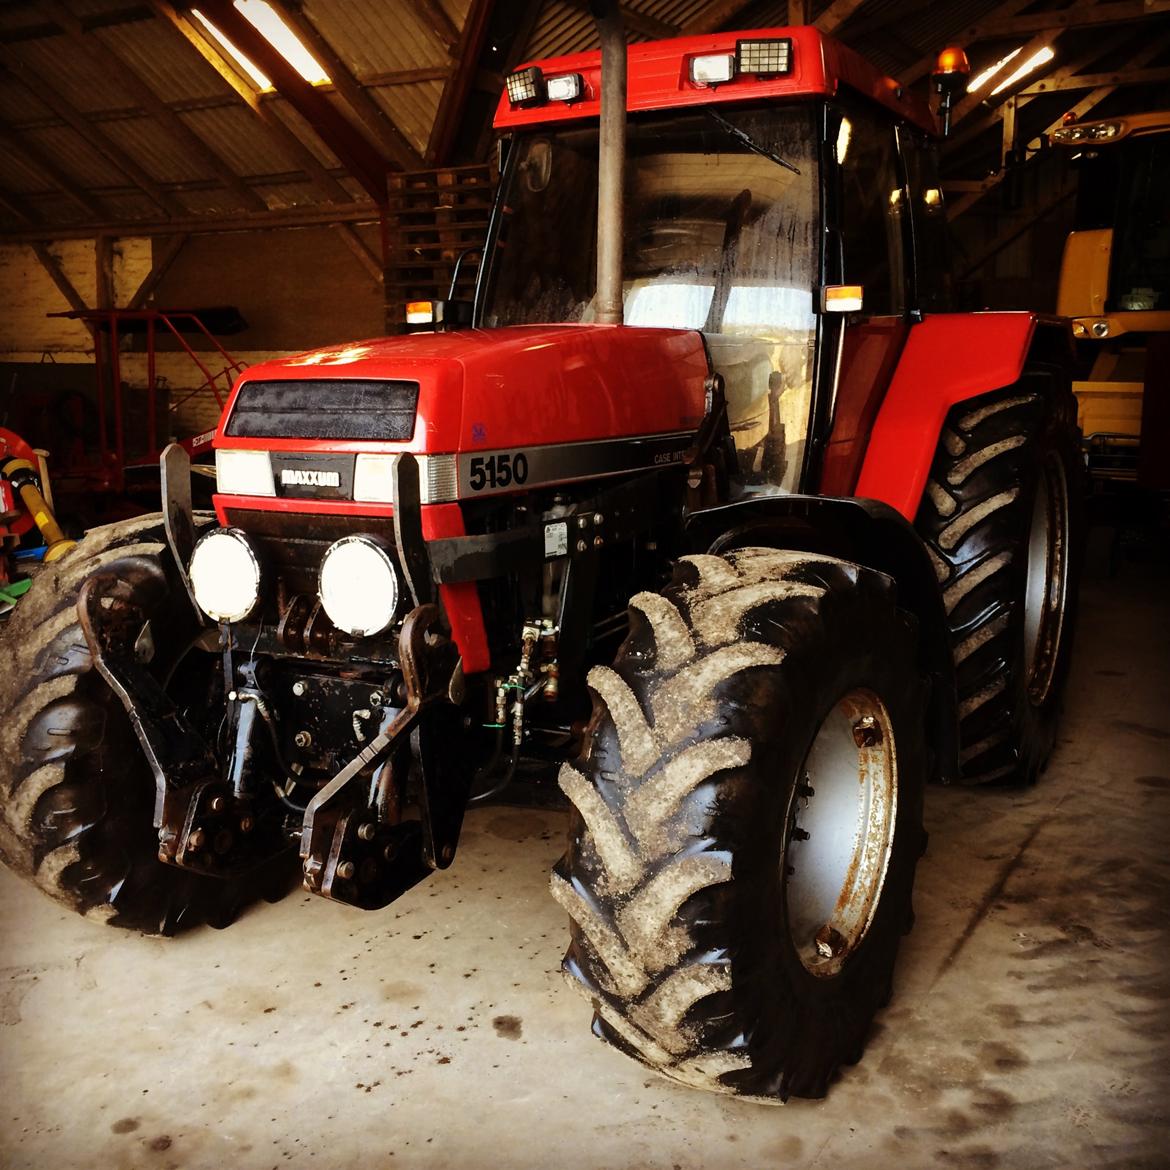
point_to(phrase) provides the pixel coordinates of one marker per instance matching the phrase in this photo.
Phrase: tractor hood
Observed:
(473, 390)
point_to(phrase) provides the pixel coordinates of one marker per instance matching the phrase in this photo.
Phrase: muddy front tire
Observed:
(76, 793)
(749, 820)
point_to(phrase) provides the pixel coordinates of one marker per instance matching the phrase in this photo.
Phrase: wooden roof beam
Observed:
(431, 13)
(323, 215)
(1091, 80)
(158, 270)
(455, 92)
(1092, 99)
(969, 36)
(32, 156)
(18, 209)
(52, 266)
(373, 118)
(94, 137)
(111, 19)
(298, 152)
(837, 14)
(123, 75)
(359, 156)
(973, 101)
(360, 249)
(717, 15)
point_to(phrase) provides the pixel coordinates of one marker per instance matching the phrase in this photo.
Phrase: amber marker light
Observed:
(420, 312)
(952, 60)
(841, 298)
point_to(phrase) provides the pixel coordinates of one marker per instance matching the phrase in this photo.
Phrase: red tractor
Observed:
(746, 532)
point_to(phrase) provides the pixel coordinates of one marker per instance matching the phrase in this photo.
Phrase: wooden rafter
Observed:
(454, 98)
(715, 17)
(973, 101)
(798, 12)
(637, 22)
(109, 19)
(52, 266)
(108, 149)
(358, 246)
(318, 216)
(408, 76)
(1092, 80)
(431, 13)
(968, 36)
(373, 118)
(837, 14)
(159, 269)
(1082, 14)
(121, 74)
(18, 209)
(356, 153)
(301, 155)
(33, 156)
(1092, 99)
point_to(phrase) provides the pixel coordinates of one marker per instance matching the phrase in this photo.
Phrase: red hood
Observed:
(517, 386)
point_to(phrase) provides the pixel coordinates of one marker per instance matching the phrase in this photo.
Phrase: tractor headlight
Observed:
(359, 586)
(225, 575)
(243, 473)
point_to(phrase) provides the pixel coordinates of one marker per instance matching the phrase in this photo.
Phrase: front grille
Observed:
(325, 409)
(292, 544)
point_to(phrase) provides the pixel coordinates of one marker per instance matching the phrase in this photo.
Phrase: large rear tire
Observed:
(740, 869)
(1001, 518)
(76, 793)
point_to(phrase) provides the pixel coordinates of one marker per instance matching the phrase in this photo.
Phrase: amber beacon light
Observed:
(950, 75)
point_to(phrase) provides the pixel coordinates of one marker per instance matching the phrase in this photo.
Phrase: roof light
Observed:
(269, 24)
(1088, 132)
(712, 68)
(1040, 57)
(260, 78)
(985, 75)
(526, 87)
(564, 88)
(764, 58)
(841, 298)
(952, 60)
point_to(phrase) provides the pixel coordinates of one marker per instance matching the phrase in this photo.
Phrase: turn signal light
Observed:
(420, 312)
(841, 298)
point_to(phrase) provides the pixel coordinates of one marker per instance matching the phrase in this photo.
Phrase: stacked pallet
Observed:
(433, 218)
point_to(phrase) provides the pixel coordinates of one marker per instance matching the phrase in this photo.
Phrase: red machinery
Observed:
(728, 517)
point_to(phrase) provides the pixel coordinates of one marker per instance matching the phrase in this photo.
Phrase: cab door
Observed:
(870, 238)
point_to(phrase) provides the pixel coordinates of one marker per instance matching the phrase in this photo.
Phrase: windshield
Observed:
(720, 236)
(1140, 277)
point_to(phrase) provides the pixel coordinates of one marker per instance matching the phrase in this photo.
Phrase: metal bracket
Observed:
(178, 513)
(351, 855)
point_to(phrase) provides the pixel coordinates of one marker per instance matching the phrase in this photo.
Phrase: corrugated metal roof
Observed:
(74, 156)
(370, 38)
(240, 139)
(412, 108)
(160, 56)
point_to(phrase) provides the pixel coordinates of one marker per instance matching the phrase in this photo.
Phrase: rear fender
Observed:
(868, 533)
(949, 358)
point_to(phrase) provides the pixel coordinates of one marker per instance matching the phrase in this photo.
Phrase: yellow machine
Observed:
(1115, 286)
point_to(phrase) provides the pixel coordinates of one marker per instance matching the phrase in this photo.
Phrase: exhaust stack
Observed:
(611, 161)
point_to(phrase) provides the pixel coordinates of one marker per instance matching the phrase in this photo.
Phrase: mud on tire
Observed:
(76, 793)
(1001, 519)
(686, 851)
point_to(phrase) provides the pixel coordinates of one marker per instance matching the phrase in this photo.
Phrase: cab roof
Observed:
(659, 79)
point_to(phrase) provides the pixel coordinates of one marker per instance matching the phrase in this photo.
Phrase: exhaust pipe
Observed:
(611, 162)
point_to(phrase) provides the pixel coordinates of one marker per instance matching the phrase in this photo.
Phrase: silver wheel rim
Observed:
(840, 832)
(1045, 580)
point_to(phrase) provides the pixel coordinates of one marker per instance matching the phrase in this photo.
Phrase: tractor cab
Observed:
(780, 198)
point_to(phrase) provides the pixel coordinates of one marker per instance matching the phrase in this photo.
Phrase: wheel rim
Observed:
(1046, 580)
(840, 832)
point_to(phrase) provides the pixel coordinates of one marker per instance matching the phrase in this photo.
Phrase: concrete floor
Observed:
(1028, 1027)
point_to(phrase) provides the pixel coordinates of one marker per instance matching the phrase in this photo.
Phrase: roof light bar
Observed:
(1089, 132)
(712, 68)
(764, 58)
(526, 87)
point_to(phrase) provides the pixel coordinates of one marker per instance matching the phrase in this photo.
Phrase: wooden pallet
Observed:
(433, 218)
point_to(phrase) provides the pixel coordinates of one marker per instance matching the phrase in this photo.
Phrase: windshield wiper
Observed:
(750, 142)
